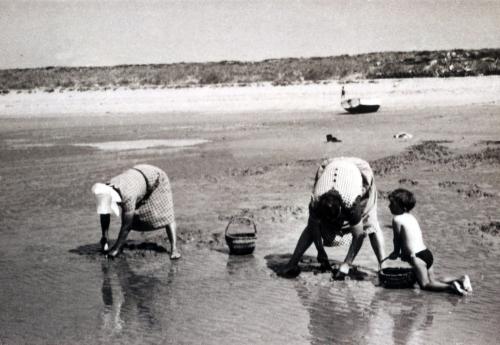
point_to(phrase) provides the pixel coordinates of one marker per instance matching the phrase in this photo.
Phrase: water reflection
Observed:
(361, 313)
(130, 297)
(407, 320)
(242, 265)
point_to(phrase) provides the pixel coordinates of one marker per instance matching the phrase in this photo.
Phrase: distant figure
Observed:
(144, 196)
(344, 200)
(409, 245)
(342, 94)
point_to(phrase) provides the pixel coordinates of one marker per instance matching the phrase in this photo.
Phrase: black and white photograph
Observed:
(230, 172)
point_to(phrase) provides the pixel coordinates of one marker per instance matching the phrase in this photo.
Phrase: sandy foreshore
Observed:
(324, 97)
(254, 152)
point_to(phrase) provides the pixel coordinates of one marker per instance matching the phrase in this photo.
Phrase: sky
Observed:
(40, 33)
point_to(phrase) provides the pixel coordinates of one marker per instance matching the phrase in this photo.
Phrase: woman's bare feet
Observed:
(175, 255)
(466, 283)
(458, 289)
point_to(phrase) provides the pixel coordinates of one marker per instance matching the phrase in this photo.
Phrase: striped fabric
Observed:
(342, 176)
(351, 177)
(145, 190)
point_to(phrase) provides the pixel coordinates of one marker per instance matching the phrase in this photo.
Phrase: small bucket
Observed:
(397, 277)
(241, 243)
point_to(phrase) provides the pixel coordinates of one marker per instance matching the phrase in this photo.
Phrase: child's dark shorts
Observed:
(427, 256)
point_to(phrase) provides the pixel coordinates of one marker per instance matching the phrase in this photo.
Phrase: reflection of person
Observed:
(143, 193)
(344, 200)
(125, 292)
(409, 245)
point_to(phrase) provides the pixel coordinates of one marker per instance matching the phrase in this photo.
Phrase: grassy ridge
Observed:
(445, 63)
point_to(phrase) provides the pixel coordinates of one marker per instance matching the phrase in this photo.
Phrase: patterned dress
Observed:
(145, 190)
(351, 177)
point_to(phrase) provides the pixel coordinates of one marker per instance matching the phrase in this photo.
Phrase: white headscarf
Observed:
(106, 199)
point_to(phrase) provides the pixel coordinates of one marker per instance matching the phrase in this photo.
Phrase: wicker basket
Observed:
(397, 277)
(241, 243)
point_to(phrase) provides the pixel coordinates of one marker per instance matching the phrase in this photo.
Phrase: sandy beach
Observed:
(250, 151)
(322, 96)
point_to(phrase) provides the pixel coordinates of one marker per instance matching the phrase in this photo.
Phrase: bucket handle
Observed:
(241, 218)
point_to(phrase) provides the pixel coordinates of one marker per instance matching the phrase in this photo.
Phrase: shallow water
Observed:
(57, 288)
(143, 144)
(210, 297)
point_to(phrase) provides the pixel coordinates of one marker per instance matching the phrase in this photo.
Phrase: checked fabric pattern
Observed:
(145, 189)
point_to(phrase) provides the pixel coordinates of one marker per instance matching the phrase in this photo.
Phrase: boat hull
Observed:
(354, 106)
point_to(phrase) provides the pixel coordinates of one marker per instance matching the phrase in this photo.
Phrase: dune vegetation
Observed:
(444, 63)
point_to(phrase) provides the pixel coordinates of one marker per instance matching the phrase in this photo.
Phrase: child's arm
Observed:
(396, 230)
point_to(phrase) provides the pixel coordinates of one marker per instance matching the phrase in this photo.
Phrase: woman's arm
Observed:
(314, 226)
(127, 220)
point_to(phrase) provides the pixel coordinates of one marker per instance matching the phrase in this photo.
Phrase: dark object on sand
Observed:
(397, 277)
(402, 135)
(355, 106)
(332, 139)
(241, 243)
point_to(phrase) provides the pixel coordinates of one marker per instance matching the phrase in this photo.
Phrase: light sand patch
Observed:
(389, 93)
(143, 144)
(21, 144)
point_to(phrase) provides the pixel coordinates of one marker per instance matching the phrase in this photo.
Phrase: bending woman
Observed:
(344, 200)
(144, 196)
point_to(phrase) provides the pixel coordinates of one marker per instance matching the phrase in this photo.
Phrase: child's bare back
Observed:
(409, 246)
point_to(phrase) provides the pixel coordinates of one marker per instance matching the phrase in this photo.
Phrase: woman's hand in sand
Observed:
(113, 253)
(288, 271)
(341, 272)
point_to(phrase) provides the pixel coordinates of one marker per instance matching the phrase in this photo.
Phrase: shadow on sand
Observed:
(130, 249)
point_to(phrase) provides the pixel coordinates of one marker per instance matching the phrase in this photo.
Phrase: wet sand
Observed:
(260, 150)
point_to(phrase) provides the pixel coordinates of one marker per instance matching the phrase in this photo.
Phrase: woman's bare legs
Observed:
(105, 220)
(172, 237)
(377, 242)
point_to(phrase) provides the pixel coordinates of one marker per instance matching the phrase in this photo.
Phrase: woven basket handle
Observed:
(241, 218)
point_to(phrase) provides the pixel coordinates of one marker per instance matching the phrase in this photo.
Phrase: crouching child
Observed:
(409, 246)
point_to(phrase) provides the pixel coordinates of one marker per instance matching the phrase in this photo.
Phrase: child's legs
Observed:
(446, 280)
(425, 277)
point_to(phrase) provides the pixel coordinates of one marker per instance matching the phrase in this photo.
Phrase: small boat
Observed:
(355, 106)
